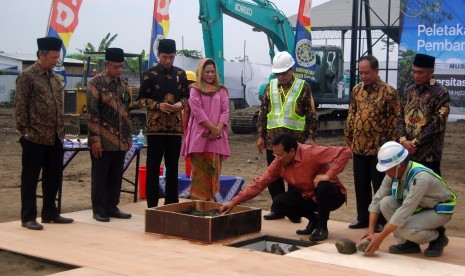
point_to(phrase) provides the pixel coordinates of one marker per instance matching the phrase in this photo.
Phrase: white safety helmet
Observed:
(282, 61)
(390, 155)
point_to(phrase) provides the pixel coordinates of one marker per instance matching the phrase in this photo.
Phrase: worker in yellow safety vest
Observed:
(415, 201)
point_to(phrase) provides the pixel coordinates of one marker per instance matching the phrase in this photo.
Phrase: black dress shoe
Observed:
(33, 225)
(358, 224)
(405, 248)
(311, 226)
(120, 214)
(319, 235)
(101, 218)
(58, 219)
(273, 216)
(436, 247)
(379, 228)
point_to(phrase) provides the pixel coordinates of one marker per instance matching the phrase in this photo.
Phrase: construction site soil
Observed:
(245, 162)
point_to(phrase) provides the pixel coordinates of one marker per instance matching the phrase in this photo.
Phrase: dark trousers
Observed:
(435, 166)
(107, 176)
(293, 205)
(168, 146)
(276, 187)
(367, 180)
(49, 159)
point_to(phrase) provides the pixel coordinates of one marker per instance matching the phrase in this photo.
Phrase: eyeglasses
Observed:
(281, 74)
(280, 156)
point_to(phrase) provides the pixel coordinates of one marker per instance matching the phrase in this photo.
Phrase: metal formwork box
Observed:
(167, 220)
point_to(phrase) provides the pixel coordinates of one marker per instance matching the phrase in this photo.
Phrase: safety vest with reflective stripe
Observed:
(283, 114)
(440, 208)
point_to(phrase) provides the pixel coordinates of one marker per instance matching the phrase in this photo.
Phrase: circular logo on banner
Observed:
(155, 44)
(304, 54)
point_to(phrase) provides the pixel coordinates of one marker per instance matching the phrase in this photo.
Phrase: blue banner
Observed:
(303, 54)
(435, 28)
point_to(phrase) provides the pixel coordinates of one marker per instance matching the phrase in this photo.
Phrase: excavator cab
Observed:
(328, 74)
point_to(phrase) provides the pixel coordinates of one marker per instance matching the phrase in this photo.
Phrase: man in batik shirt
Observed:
(109, 135)
(371, 122)
(164, 92)
(424, 109)
(39, 119)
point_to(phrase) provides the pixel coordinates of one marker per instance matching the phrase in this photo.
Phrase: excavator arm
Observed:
(260, 14)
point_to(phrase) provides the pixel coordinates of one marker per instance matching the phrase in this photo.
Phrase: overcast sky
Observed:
(22, 21)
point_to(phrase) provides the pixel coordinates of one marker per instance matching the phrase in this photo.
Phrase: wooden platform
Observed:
(121, 247)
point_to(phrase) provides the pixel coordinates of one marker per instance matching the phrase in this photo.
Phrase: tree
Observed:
(405, 77)
(429, 11)
(79, 56)
(104, 44)
(133, 63)
(190, 53)
(384, 42)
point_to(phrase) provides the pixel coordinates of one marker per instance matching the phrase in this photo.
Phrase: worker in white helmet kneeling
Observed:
(415, 201)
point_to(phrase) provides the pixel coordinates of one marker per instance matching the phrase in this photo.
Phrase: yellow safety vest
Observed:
(282, 114)
(440, 208)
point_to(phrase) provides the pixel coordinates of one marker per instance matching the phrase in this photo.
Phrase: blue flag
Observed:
(160, 27)
(304, 56)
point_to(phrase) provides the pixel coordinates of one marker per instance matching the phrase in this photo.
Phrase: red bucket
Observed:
(143, 180)
(188, 167)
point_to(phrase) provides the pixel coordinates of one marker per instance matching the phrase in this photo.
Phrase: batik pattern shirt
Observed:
(108, 107)
(39, 105)
(305, 107)
(161, 85)
(371, 121)
(422, 118)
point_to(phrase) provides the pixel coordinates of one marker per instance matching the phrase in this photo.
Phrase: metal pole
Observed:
(353, 44)
(243, 77)
(368, 27)
(387, 43)
(49, 19)
(140, 70)
(343, 34)
(183, 58)
(360, 41)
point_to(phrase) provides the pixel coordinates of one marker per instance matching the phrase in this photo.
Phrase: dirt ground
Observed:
(245, 161)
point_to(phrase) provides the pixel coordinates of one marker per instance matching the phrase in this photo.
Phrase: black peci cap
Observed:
(114, 54)
(49, 44)
(424, 61)
(167, 46)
